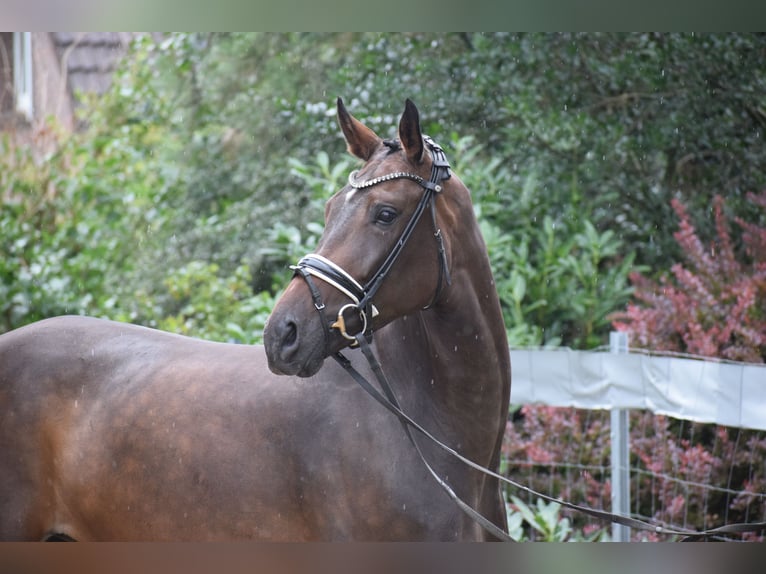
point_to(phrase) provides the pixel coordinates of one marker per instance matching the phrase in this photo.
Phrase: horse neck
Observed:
(451, 362)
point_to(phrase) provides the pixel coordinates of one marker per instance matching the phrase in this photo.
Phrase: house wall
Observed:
(6, 79)
(51, 95)
(64, 64)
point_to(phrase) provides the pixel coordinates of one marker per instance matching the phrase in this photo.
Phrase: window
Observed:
(22, 73)
(16, 90)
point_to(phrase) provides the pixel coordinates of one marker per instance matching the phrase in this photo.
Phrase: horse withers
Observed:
(111, 431)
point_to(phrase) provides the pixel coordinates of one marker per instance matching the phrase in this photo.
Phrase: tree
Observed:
(573, 145)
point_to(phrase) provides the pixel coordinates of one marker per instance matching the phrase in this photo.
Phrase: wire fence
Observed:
(682, 474)
(685, 471)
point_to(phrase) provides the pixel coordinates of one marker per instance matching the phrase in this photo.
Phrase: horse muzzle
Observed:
(294, 345)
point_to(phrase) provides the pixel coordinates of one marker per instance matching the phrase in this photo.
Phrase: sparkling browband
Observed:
(383, 178)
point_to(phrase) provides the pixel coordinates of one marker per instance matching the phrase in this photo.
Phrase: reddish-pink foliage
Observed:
(687, 474)
(713, 304)
(683, 474)
(754, 236)
(564, 452)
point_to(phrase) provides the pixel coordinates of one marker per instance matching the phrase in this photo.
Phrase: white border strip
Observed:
(726, 393)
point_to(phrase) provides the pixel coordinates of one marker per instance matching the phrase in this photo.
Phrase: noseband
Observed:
(313, 265)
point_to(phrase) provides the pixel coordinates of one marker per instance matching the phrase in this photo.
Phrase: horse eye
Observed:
(386, 215)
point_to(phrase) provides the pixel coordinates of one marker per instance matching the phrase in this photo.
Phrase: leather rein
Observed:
(313, 265)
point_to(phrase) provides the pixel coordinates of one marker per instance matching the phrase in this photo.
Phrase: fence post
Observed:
(620, 433)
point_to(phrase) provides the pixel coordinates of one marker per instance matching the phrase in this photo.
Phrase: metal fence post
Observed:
(620, 433)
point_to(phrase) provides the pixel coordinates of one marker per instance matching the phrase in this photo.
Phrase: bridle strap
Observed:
(331, 273)
(392, 405)
(444, 274)
(373, 285)
(353, 182)
(440, 171)
(316, 297)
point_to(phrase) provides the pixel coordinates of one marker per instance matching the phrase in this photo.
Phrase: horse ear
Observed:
(360, 140)
(409, 132)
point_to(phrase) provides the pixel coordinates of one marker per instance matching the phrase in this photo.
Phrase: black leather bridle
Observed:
(313, 265)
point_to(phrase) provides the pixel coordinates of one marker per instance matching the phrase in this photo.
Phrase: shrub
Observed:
(683, 474)
(558, 277)
(713, 305)
(201, 301)
(68, 227)
(544, 523)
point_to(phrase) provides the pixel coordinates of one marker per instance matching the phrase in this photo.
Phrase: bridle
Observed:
(313, 265)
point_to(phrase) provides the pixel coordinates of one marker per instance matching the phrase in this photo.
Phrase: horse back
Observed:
(99, 418)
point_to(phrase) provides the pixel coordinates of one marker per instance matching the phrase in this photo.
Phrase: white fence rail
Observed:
(731, 394)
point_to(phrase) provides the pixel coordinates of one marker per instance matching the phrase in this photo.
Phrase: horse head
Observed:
(383, 253)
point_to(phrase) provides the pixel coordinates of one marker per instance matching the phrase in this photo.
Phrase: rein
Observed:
(388, 401)
(313, 265)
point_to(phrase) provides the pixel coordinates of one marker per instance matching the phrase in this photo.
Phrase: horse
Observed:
(118, 432)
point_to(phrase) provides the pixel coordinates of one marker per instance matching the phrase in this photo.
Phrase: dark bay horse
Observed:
(110, 431)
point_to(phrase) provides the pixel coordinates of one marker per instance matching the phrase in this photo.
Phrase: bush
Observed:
(557, 276)
(544, 523)
(200, 301)
(714, 304)
(601, 126)
(683, 474)
(578, 134)
(711, 305)
(69, 227)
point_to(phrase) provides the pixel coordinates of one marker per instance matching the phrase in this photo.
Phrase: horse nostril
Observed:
(282, 340)
(290, 334)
